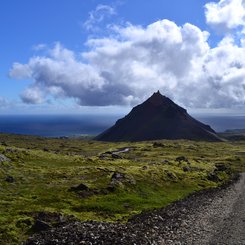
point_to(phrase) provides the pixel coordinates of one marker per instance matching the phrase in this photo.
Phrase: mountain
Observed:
(158, 118)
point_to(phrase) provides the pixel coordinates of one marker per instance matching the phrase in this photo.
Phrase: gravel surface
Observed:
(209, 217)
(231, 228)
(218, 220)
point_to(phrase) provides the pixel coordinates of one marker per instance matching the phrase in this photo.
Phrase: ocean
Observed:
(75, 125)
(223, 123)
(55, 125)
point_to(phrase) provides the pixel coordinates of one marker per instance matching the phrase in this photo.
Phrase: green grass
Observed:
(45, 169)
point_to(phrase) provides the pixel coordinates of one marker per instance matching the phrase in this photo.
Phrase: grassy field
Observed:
(42, 175)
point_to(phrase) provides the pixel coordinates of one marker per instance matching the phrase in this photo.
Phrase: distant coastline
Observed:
(91, 125)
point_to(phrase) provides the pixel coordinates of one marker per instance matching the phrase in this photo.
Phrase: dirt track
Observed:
(225, 218)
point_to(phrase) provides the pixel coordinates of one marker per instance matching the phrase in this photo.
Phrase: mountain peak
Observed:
(163, 102)
(158, 118)
(157, 94)
(158, 99)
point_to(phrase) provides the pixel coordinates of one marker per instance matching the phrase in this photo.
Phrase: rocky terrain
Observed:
(214, 216)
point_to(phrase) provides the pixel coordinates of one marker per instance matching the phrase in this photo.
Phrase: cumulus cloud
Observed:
(98, 15)
(135, 61)
(32, 95)
(21, 71)
(225, 15)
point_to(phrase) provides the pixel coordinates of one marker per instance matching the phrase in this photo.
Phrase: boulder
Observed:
(157, 144)
(40, 225)
(10, 179)
(80, 187)
(116, 156)
(3, 158)
(220, 167)
(119, 179)
(186, 169)
(171, 175)
(213, 177)
(118, 176)
(181, 159)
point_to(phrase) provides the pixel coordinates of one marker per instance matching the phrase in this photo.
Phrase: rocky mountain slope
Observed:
(158, 118)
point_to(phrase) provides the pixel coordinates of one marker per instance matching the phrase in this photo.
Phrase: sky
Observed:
(90, 56)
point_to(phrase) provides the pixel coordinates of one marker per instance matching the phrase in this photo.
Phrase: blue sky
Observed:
(45, 43)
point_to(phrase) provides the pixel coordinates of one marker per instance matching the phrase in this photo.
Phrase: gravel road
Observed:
(210, 217)
(229, 227)
(221, 220)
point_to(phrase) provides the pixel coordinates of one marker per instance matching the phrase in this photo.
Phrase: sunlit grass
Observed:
(45, 169)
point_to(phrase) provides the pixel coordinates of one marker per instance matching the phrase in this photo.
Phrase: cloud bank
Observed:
(134, 61)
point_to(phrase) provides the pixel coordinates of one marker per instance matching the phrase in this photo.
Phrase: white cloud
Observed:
(39, 47)
(20, 71)
(32, 95)
(225, 15)
(98, 15)
(135, 61)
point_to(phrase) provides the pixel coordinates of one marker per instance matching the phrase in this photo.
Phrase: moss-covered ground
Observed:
(42, 171)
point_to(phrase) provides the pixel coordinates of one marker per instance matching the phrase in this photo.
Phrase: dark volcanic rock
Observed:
(186, 169)
(120, 178)
(116, 156)
(40, 225)
(117, 176)
(220, 167)
(158, 118)
(80, 187)
(9, 179)
(181, 159)
(213, 177)
(157, 144)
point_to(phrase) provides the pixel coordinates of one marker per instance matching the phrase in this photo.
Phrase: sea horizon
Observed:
(92, 125)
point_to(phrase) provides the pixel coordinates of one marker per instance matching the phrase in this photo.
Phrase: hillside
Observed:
(66, 179)
(233, 134)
